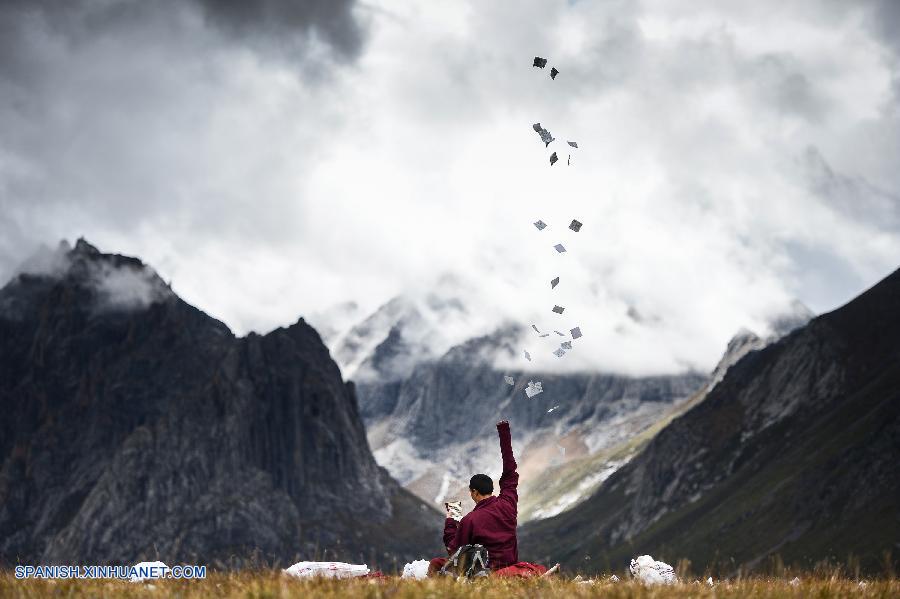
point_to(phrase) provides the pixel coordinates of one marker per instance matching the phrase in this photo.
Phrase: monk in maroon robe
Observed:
(492, 522)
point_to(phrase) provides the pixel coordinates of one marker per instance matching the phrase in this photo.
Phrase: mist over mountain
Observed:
(137, 427)
(429, 416)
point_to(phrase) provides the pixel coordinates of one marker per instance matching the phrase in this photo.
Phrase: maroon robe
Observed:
(493, 521)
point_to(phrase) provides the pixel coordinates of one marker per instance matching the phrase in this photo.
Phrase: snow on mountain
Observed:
(387, 344)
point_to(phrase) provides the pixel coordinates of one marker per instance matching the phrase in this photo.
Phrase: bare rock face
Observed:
(433, 428)
(136, 427)
(793, 454)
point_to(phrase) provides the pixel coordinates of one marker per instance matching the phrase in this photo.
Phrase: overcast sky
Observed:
(277, 158)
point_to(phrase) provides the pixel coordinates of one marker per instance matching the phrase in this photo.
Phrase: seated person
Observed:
(492, 523)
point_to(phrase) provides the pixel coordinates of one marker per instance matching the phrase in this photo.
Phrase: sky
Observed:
(275, 159)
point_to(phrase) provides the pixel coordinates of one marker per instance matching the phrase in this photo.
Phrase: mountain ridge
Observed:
(789, 456)
(139, 427)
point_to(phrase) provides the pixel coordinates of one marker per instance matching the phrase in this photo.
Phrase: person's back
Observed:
(492, 522)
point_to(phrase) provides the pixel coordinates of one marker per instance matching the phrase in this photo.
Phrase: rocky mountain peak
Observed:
(136, 426)
(83, 247)
(745, 341)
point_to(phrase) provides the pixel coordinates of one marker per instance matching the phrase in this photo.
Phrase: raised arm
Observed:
(509, 480)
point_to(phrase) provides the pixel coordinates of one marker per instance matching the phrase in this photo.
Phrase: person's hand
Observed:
(454, 510)
(503, 422)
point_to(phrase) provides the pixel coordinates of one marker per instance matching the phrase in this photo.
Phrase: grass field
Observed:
(264, 584)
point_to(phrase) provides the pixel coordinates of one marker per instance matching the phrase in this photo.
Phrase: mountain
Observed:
(433, 429)
(419, 399)
(792, 456)
(138, 427)
(570, 482)
(385, 345)
(795, 316)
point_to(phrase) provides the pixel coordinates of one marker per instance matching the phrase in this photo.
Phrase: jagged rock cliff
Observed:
(793, 454)
(135, 426)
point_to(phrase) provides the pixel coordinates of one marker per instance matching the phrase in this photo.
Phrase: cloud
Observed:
(282, 24)
(391, 143)
(127, 287)
(118, 283)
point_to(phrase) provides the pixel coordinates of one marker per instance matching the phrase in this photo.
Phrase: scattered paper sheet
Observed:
(546, 137)
(533, 389)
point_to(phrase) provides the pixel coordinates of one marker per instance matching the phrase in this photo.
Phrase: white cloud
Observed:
(264, 193)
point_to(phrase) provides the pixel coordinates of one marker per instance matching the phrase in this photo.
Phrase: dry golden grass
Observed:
(271, 584)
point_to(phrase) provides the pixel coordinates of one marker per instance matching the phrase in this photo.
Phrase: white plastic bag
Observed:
(649, 571)
(327, 570)
(417, 569)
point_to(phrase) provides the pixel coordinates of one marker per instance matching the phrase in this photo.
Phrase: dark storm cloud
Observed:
(257, 146)
(107, 109)
(886, 22)
(282, 23)
(276, 27)
(886, 25)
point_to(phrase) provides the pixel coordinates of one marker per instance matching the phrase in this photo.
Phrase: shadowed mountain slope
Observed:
(136, 427)
(794, 454)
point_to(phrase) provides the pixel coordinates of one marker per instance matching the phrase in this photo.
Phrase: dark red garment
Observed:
(493, 521)
(435, 565)
(521, 570)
